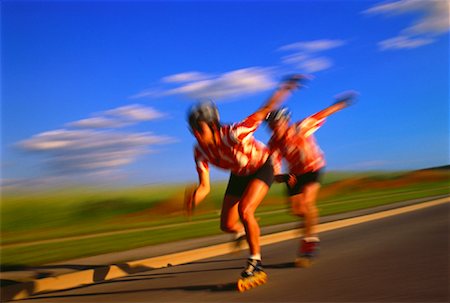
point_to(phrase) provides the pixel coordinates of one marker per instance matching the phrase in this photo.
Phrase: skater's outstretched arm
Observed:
(275, 100)
(243, 130)
(344, 100)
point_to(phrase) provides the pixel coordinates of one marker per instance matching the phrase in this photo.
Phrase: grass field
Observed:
(49, 227)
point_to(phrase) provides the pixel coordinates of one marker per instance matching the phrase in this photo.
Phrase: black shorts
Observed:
(238, 184)
(304, 179)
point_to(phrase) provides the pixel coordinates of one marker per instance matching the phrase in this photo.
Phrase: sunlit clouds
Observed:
(94, 145)
(119, 117)
(303, 56)
(197, 85)
(314, 46)
(186, 77)
(432, 20)
(404, 42)
(308, 55)
(86, 150)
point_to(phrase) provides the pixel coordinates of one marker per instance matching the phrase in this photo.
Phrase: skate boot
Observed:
(309, 250)
(252, 276)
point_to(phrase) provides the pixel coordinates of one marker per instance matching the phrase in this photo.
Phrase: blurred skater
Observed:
(233, 147)
(297, 145)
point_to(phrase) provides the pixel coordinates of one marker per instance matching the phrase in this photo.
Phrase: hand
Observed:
(294, 81)
(189, 199)
(347, 98)
(292, 180)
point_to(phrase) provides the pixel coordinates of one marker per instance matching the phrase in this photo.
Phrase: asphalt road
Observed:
(404, 258)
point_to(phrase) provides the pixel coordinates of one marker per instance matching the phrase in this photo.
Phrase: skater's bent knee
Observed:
(246, 215)
(298, 213)
(227, 227)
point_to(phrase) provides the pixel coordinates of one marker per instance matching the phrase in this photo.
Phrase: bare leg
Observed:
(304, 205)
(229, 218)
(253, 195)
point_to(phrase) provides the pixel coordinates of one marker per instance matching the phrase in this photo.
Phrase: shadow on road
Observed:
(100, 272)
(281, 265)
(228, 287)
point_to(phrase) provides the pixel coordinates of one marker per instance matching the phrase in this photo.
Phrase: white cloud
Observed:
(432, 20)
(135, 113)
(403, 42)
(236, 83)
(119, 117)
(151, 92)
(95, 122)
(227, 85)
(313, 65)
(64, 139)
(313, 46)
(296, 58)
(94, 145)
(396, 7)
(75, 151)
(307, 54)
(185, 77)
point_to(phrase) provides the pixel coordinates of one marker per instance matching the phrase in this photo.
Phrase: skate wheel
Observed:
(245, 284)
(241, 285)
(260, 281)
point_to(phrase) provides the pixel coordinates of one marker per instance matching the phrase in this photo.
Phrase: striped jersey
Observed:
(237, 149)
(298, 147)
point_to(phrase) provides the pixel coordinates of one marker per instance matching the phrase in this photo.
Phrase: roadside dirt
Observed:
(174, 205)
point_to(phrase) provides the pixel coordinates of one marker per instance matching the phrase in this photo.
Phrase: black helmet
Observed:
(203, 111)
(279, 114)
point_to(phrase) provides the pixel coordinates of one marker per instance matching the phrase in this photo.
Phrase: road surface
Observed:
(404, 258)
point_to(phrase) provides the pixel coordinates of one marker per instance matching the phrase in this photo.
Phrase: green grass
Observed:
(70, 213)
(30, 218)
(65, 250)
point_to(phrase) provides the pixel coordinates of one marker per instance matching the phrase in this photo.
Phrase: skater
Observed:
(297, 145)
(233, 147)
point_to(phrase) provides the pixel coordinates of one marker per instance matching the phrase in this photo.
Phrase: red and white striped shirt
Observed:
(298, 147)
(237, 149)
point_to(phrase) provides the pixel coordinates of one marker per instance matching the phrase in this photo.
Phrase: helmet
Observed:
(277, 115)
(203, 111)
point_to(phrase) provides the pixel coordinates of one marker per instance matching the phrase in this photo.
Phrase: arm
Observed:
(330, 110)
(343, 100)
(243, 130)
(202, 189)
(277, 165)
(276, 162)
(193, 195)
(310, 125)
(278, 96)
(277, 158)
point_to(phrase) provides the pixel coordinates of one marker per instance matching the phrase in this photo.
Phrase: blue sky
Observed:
(97, 91)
